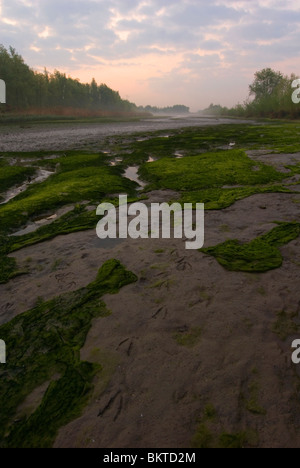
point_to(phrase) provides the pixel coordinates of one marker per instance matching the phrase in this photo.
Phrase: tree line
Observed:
(270, 95)
(28, 89)
(177, 109)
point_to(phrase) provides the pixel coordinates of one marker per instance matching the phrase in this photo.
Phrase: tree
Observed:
(27, 89)
(265, 83)
(95, 98)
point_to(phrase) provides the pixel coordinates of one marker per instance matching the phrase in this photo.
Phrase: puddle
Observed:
(40, 176)
(178, 155)
(116, 161)
(28, 161)
(227, 147)
(131, 173)
(25, 161)
(13, 161)
(33, 226)
(43, 175)
(150, 160)
(42, 221)
(53, 156)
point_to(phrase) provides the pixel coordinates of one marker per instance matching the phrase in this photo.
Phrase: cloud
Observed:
(159, 47)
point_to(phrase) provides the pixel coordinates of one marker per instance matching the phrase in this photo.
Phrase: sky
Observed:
(158, 52)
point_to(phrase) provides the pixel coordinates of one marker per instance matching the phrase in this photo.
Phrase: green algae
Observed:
(8, 265)
(272, 136)
(63, 189)
(43, 343)
(285, 326)
(8, 268)
(78, 219)
(13, 175)
(207, 171)
(260, 255)
(189, 338)
(218, 198)
(209, 435)
(86, 176)
(79, 177)
(216, 179)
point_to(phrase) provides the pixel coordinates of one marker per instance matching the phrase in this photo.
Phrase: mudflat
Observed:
(51, 136)
(194, 347)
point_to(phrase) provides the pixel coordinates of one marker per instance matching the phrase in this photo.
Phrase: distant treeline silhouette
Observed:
(272, 92)
(28, 90)
(177, 109)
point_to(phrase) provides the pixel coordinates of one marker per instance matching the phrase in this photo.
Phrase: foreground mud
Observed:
(156, 389)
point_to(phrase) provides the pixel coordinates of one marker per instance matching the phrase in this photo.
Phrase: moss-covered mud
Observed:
(208, 435)
(217, 179)
(78, 177)
(86, 368)
(45, 342)
(260, 255)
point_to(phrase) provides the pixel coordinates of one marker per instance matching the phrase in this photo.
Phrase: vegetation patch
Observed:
(79, 177)
(76, 220)
(13, 175)
(252, 403)
(260, 255)
(8, 269)
(190, 338)
(8, 266)
(203, 438)
(218, 198)
(216, 179)
(208, 170)
(238, 440)
(284, 325)
(277, 137)
(43, 343)
(208, 436)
